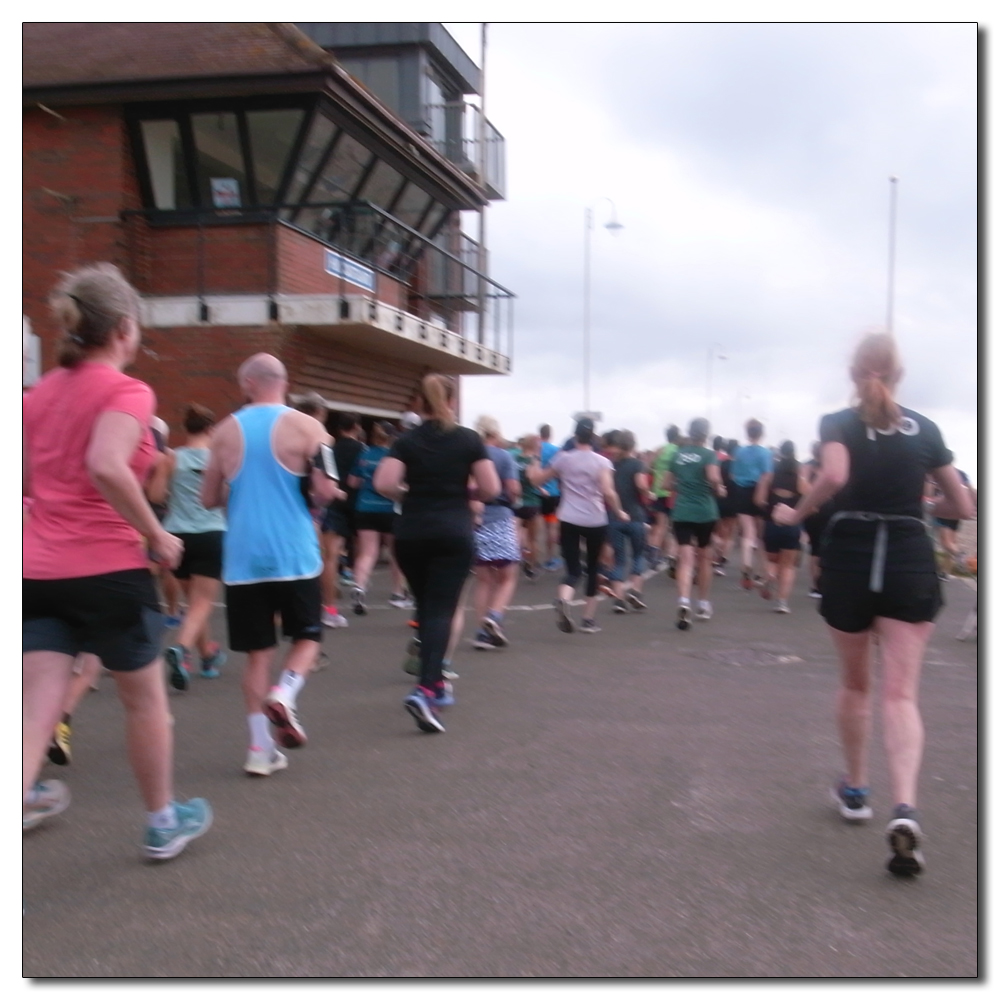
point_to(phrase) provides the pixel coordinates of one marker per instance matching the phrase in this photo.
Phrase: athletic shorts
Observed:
(549, 505)
(202, 555)
(782, 537)
(337, 521)
(380, 521)
(661, 505)
(943, 522)
(727, 505)
(849, 606)
(694, 533)
(742, 500)
(251, 607)
(115, 616)
(527, 514)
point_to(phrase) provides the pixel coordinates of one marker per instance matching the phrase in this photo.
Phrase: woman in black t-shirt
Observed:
(429, 469)
(879, 578)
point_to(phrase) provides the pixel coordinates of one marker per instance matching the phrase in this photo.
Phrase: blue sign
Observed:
(350, 270)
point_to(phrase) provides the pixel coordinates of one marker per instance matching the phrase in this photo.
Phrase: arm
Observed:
(115, 437)
(611, 500)
(954, 491)
(641, 481)
(389, 479)
(833, 475)
(158, 484)
(512, 487)
(762, 489)
(538, 476)
(714, 476)
(484, 472)
(213, 483)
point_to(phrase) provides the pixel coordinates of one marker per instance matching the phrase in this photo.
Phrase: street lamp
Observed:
(712, 355)
(891, 283)
(612, 226)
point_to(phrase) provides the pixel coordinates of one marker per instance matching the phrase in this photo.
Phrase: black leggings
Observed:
(569, 542)
(436, 570)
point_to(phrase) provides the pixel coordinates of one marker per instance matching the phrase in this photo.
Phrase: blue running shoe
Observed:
(445, 696)
(194, 817)
(210, 664)
(852, 802)
(421, 707)
(46, 798)
(173, 621)
(178, 663)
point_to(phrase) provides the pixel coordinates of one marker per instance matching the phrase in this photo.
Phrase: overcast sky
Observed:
(749, 165)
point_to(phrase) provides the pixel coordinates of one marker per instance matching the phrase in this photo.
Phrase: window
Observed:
(382, 186)
(272, 134)
(221, 174)
(164, 156)
(342, 172)
(411, 206)
(314, 147)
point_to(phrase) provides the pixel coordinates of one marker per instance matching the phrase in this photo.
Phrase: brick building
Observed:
(295, 189)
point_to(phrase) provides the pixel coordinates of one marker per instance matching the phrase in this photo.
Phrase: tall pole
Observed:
(481, 143)
(588, 226)
(891, 284)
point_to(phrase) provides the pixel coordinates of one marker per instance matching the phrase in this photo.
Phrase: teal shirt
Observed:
(695, 501)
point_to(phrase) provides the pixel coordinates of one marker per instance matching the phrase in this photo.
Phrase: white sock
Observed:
(684, 602)
(291, 683)
(260, 731)
(165, 819)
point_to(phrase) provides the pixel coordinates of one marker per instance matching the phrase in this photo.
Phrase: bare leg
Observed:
(202, 592)
(483, 592)
(332, 546)
(257, 679)
(505, 583)
(854, 714)
(82, 682)
(902, 645)
(45, 679)
(685, 570)
(704, 572)
(748, 541)
(787, 566)
(365, 556)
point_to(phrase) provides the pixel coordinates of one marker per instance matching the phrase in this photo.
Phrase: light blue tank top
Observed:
(271, 534)
(185, 513)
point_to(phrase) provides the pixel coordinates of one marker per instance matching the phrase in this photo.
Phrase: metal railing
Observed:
(453, 129)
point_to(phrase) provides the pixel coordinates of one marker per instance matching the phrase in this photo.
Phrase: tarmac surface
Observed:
(643, 802)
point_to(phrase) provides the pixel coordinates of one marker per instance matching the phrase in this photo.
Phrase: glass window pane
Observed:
(162, 142)
(434, 217)
(221, 174)
(382, 185)
(342, 172)
(320, 133)
(271, 136)
(411, 206)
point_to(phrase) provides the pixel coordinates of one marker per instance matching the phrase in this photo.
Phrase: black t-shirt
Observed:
(345, 453)
(625, 472)
(887, 474)
(438, 465)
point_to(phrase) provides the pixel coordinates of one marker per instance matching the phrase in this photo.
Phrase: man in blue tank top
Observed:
(271, 559)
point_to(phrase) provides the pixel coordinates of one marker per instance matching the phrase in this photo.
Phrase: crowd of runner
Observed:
(284, 522)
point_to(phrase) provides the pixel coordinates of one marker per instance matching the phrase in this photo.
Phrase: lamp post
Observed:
(891, 283)
(613, 226)
(712, 355)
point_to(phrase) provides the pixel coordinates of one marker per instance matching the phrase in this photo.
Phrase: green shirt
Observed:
(531, 495)
(661, 464)
(695, 500)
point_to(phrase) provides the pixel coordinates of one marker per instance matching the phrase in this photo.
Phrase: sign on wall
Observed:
(350, 270)
(225, 192)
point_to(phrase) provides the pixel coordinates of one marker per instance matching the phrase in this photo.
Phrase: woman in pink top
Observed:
(86, 587)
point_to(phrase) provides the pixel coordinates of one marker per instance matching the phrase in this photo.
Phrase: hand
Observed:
(167, 549)
(722, 491)
(785, 515)
(623, 516)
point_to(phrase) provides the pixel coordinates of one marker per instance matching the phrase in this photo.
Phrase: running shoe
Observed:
(194, 817)
(411, 665)
(444, 697)
(332, 619)
(280, 711)
(179, 667)
(46, 798)
(589, 625)
(620, 608)
(492, 628)
(483, 640)
(704, 612)
(346, 577)
(815, 593)
(552, 565)
(59, 752)
(264, 763)
(401, 601)
(746, 580)
(905, 836)
(449, 675)
(683, 617)
(782, 608)
(635, 601)
(358, 601)
(530, 573)
(563, 621)
(210, 664)
(420, 704)
(173, 621)
(852, 802)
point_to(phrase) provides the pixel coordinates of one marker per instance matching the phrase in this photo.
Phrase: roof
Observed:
(67, 53)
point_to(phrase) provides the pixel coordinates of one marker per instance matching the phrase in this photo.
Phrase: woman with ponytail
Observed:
(879, 578)
(429, 470)
(87, 587)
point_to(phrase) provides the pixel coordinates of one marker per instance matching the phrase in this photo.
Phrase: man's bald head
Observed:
(262, 375)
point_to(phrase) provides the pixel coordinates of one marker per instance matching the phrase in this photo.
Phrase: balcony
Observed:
(460, 133)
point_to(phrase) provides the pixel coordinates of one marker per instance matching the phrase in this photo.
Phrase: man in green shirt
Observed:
(694, 474)
(661, 541)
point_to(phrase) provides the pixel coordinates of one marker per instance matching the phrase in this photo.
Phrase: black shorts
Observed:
(782, 537)
(527, 514)
(849, 606)
(741, 498)
(815, 526)
(251, 607)
(338, 521)
(661, 505)
(373, 520)
(202, 555)
(116, 616)
(694, 532)
(549, 505)
(727, 505)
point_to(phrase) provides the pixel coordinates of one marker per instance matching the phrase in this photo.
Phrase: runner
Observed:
(87, 586)
(373, 520)
(428, 469)
(550, 501)
(880, 579)
(782, 543)
(628, 538)
(662, 544)
(265, 456)
(498, 551)
(815, 524)
(202, 532)
(947, 528)
(529, 513)
(587, 493)
(694, 474)
(749, 464)
(725, 529)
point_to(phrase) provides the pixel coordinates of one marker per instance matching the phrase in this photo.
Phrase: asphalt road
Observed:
(643, 802)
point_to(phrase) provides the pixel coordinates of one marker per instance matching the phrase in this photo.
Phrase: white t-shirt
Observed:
(582, 501)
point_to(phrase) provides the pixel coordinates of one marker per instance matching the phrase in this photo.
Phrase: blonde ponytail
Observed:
(436, 393)
(876, 371)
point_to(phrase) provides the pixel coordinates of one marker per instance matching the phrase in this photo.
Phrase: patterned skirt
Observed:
(498, 542)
